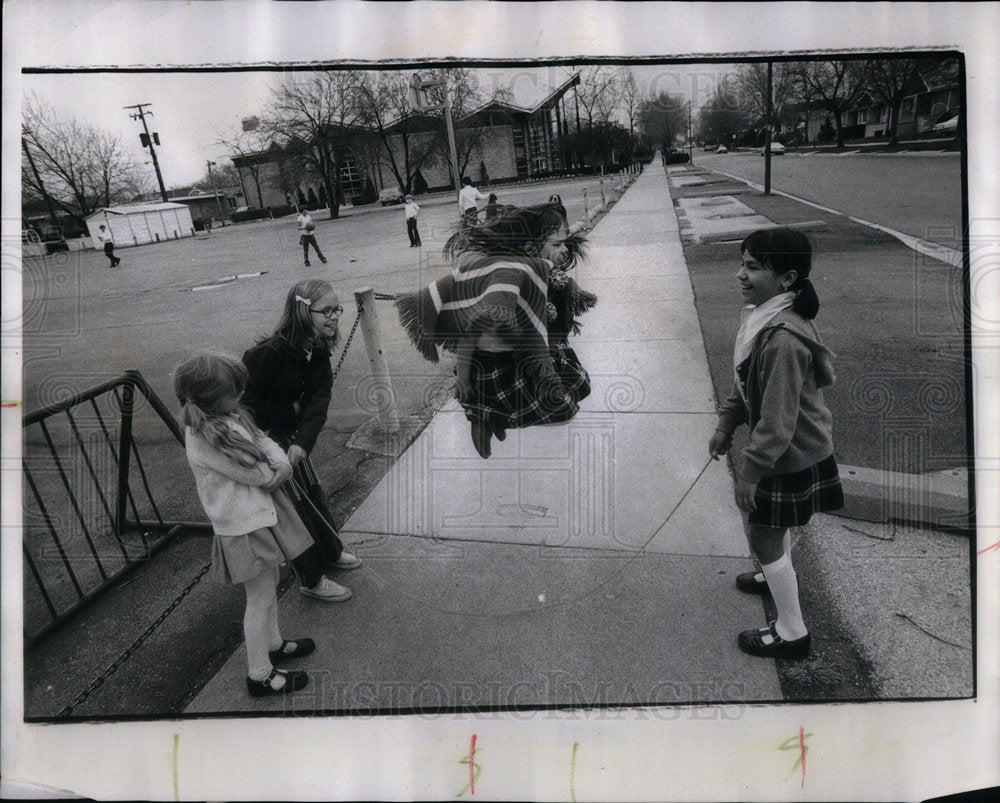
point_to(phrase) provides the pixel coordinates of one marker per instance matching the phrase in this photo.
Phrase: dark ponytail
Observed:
(806, 301)
(782, 250)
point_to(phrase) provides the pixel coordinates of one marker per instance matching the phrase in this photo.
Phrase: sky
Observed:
(191, 111)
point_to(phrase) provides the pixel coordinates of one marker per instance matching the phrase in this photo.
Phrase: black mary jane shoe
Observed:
(749, 584)
(303, 646)
(293, 682)
(752, 642)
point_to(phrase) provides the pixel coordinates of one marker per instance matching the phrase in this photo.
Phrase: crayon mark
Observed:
(802, 756)
(991, 547)
(797, 743)
(572, 773)
(474, 769)
(10, 404)
(177, 738)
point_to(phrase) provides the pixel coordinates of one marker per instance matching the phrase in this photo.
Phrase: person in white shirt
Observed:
(411, 210)
(104, 237)
(468, 206)
(307, 238)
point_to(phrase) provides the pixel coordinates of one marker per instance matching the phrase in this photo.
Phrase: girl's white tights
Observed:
(260, 622)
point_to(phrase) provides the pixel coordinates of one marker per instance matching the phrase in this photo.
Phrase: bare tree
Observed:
(597, 96)
(660, 118)
(888, 80)
(80, 168)
(751, 90)
(836, 85)
(317, 117)
(386, 111)
(631, 96)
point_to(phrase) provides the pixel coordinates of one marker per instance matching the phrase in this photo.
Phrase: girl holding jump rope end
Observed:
(788, 470)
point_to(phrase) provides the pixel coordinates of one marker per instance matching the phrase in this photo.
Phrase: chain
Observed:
(347, 343)
(385, 297)
(135, 644)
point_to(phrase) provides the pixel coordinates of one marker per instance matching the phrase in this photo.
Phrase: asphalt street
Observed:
(916, 193)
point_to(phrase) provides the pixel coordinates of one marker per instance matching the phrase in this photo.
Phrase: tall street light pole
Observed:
(218, 203)
(420, 102)
(147, 142)
(767, 132)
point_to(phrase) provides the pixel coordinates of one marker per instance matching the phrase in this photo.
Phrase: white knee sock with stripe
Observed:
(782, 582)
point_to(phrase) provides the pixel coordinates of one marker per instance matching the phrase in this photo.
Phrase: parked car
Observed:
(390, 195)
(722, 149)
(776, 149)
(949, 125)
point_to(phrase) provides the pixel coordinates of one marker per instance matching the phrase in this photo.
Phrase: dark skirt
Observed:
(310, 502)
(789, 500)
(507, 395)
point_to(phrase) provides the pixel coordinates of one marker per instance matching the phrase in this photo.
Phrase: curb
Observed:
(939, 500)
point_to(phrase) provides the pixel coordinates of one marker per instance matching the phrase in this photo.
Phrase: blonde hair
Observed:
(201, 381)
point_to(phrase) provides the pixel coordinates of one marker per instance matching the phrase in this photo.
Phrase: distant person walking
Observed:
(410, 211)
(468, 202)
(104, 237)
(240, 475)
(788, 470)
(307, 238)
(288, 393)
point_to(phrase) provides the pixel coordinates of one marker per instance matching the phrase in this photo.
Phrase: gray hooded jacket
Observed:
(791, 427)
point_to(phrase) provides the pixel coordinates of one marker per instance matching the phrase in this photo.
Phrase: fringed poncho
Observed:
(502, 294)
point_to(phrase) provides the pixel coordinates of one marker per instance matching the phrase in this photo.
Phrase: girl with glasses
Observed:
(288, 393)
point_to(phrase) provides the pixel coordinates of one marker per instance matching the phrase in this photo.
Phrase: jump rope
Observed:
(548, 607)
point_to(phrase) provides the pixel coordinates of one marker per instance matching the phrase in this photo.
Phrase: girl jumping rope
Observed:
(788, 470)
(491, 311)
(239, 473)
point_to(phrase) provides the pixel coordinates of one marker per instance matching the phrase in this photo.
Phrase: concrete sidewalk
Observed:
(590, 563)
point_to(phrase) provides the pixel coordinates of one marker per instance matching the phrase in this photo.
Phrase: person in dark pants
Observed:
(104, 236)
(307, 238)
(411, 210)
(288, 393)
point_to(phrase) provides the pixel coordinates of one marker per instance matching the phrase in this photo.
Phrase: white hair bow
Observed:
(306, 301)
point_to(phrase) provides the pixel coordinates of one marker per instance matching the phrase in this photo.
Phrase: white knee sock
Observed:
(256, 624)
(782, 582)
(786, 546)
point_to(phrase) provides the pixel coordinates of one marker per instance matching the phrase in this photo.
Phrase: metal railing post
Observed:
(384, 395)
(124, 455)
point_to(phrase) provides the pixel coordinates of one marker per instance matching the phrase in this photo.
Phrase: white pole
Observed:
(383, 394)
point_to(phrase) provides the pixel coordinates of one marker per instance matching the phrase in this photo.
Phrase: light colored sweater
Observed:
(231, 494)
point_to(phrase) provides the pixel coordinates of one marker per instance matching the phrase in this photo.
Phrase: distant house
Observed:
(139, 224)
(931, 94)
(201, 201)
(498, 141)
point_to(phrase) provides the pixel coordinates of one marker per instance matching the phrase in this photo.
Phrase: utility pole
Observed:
(690, 150)
(767, 132)
(218, 203)
(147, 142)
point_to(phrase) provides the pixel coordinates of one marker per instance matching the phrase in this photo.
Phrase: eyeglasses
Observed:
(329, 312)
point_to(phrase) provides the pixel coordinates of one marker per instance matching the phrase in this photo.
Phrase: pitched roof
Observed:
(127, 209)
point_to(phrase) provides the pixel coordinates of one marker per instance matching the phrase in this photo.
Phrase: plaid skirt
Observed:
(507, 396)
(575, 380)
(789, 500)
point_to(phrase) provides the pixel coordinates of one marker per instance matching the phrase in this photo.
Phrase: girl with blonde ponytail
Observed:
(239, 473)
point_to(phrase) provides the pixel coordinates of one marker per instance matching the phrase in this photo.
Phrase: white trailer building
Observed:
(138, 224)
